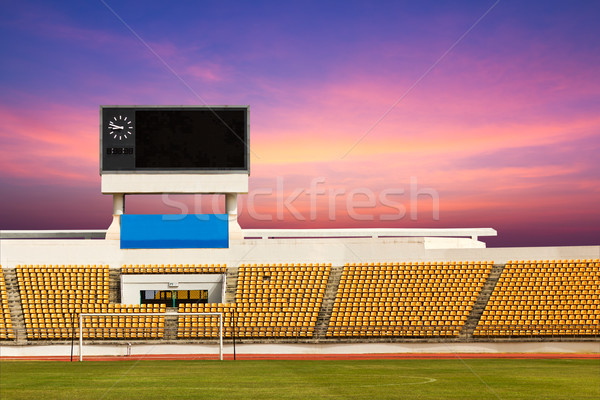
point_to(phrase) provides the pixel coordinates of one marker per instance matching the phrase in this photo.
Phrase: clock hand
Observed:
(115, 126)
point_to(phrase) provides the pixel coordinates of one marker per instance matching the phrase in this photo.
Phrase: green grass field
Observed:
(276, 379)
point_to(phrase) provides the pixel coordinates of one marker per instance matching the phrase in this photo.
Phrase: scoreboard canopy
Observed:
(174, 139)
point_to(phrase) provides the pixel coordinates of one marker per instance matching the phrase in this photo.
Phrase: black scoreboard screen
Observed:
(155, 139)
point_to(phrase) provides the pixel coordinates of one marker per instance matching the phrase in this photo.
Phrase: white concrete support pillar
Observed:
(114, 230)
(118, 203)
(235, 231)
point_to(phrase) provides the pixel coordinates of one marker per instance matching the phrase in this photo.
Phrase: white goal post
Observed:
(155, 314)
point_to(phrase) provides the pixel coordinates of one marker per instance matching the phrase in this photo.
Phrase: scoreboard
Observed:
(174, 139)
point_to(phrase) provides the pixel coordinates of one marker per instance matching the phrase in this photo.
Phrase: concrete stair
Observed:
(114, 285)
(328, 300)
(171, 324)
(231, 285)
(480, 303)
(14, 305)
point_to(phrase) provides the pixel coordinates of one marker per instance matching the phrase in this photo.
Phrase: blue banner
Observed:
(174, 231)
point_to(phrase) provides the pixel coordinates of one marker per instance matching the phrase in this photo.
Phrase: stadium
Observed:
(197, 286)
(200, 286)
(196, 302)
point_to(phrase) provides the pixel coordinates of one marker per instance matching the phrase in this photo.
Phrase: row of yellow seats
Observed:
(283, 279)
(413, 274)
(250, 307)
(41, 280)
(241, 320)
(260, 307)
(278, 286)
(527, 327)
(550, 266)
(111, 308)
(375, 311)
(282, 301)
(395, 329)
(551, 305)
(540, 319)
(419, 301)
(62, 267)
(76, 302)
(99, 334)
(567, 318)
(539, 332)
(48, 333)
(411, 278)
(280, 277)
(582, 294)
(285, 265)
(544, 321)
(382, 297)
(291, 293)
(273, 269)
(411, 269)
(70, 318)
(544, 300)
(281, 288)
(64, 293)
(61, 285)
(414, 288)
(47, 278)
(399, 317)
(566, 314)
(391, 305)
(585, 260)
(174, 269)
(405, 278)
(541, 309)
(393, 333)
(545, 273)
(65, 299)
(411, 288)
(422, 263)
(549, 281)
(267, 293)
(61, 288)
(549, 287)
(58, 273)
(413, 322)
(448, 285)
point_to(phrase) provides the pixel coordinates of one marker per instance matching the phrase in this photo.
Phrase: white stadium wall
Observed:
(336, 251)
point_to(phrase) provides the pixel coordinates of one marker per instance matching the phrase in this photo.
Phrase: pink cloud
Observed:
(60, 142)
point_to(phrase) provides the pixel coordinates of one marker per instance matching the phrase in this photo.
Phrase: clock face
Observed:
(120, 127)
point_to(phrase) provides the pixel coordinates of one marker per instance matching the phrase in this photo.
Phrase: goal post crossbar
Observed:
(155, 314)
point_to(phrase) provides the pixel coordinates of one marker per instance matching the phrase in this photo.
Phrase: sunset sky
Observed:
(489, 110)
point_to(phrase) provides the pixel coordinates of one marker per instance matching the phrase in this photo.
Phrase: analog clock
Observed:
(120, 127)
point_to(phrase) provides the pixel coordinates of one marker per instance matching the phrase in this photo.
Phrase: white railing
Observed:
(472, 233)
